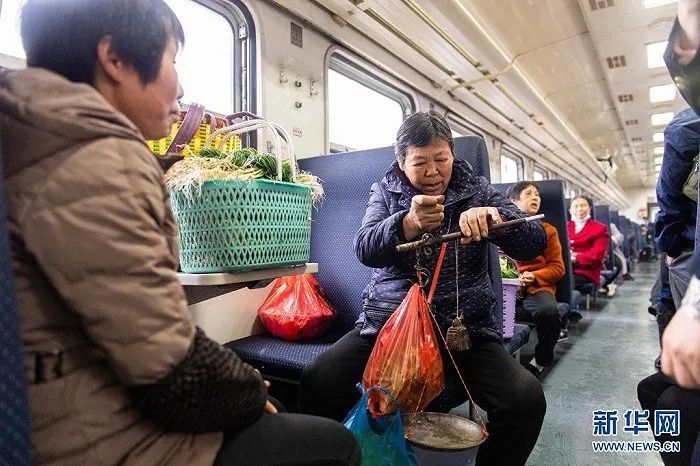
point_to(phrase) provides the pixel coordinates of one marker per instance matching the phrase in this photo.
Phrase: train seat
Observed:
(347, 178)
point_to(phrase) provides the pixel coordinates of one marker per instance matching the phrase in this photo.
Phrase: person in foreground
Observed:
(677, 387)
(428, 189)
(117, 371)
(539, 277)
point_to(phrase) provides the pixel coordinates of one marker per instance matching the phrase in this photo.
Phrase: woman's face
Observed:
(579, 209)
(429, 168)
(529, 201)
(153, 107)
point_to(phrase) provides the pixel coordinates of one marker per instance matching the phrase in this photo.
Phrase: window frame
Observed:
(541, 171)
(245, 95)
(519, 160)
(245, 66)
(359, 70)
(460, 125)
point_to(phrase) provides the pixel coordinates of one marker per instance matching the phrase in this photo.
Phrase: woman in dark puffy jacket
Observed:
(428, 190)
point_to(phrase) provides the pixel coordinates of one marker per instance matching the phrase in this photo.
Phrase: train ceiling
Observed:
(568, 79)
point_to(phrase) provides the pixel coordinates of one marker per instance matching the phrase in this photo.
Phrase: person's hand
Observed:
(426, 214)
(669, 261)
(689, 21)
(527, 278)
(680, 358)
(270, 408)
(476, 222)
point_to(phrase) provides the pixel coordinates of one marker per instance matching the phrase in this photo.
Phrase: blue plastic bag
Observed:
(381, 440)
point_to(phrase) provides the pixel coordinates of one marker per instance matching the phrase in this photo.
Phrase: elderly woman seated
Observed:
(588, 241)
(425, 190)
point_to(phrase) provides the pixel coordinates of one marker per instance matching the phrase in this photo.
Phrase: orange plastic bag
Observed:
(405, 359)
(296, 308)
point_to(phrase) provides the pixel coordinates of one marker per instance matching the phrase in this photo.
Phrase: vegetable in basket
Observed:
(508, 267)
(242, 164)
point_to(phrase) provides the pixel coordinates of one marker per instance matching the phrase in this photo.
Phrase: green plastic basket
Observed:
(238, 225)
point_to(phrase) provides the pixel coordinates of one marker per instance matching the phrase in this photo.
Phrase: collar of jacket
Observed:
(463, 183)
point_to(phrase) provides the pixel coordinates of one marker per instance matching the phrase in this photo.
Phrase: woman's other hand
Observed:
(680, 358)
(426, 214)
(527, 278)
(476, 222)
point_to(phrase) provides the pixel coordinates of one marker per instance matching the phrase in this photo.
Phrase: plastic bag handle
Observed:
(282, 132)
(188, 128)
(365, 393)
(278, 134)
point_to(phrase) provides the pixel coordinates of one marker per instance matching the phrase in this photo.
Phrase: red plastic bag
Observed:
(296, 308)
(405, 359)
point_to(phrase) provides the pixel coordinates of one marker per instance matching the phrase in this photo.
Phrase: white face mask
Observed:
(579, 224)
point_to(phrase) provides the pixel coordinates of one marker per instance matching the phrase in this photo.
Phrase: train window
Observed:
(212, 56)
(538, 175)
(11, 50)
(206, 65)
(364, 111)
(459, 128)
(511, 167)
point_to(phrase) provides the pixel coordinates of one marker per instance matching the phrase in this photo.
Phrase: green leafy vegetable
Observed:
(508, 267)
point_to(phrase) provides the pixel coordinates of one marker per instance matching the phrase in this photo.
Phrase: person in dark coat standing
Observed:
(428, 190)
(677, 386)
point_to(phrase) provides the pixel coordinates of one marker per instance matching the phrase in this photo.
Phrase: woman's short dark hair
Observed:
(62, 35)
(580, 196)
(419, 130)
(515, 190)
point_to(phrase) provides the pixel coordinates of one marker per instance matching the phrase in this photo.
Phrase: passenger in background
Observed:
(646, 248)
(117, 371)
(539, 278)
(425, 190)
(618, 261)
(589, 245)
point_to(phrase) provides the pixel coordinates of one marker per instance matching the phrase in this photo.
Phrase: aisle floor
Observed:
(608, 352)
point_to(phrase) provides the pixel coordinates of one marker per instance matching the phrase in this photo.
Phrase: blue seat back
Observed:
(602, 215)
(14, 413)
(554, 206)
(625, 230)
(347, 178)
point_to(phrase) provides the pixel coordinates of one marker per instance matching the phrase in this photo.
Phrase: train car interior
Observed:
(366, 232)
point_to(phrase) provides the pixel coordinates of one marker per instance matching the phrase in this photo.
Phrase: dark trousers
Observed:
(660, 392)
(581, 281)
(289, 439)
(512, 397)
(541, 308)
